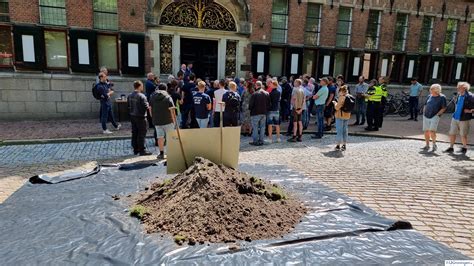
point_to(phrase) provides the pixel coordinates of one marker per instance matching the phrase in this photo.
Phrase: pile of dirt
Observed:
(214, 203)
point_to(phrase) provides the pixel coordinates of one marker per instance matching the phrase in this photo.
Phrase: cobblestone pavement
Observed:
(433, 191)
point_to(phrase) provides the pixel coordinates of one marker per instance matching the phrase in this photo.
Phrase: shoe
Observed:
(299, 139)
(374, 129)
(145, 153)
(107, 132)
(449, 150)
(278, 140)
(368, 129)
(338, 148)
(427, 147)
(362, 123)
(463, 150)
(135, 152)
(269, 141)
(327, 128)
(355, 124)
(416, 119)
(435, 148)
(253, 143)
(118, 127)
(260, 143)
(411, 118)
(293, 139)
(161, 157)
(288, 134)
(343, 148)
(316, 137)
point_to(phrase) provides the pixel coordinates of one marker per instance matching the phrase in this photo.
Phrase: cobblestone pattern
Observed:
(433, 191)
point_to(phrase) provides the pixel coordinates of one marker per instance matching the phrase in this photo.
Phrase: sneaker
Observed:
(416, 119)
(293, 139)
(269, 141)
(343, 148)
(253, 143)
(368, 129)
(118, 127)
(161, 157)
(449, 150)
(354, 124)
(260, 143)
(463, 150)
(338, 148)
(299, 139)
(411, 118)
(107, 131)
(145, 153)
(278, 140)
(435, 148)
(427, 147)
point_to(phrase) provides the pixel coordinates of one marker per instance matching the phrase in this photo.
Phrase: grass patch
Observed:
(278, 194)
(138, 211)
(179, 239)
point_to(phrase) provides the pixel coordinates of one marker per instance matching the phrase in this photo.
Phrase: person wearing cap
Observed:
(320, 99)
(415, 92)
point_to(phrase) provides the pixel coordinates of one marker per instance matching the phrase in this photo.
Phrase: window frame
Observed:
(6, 14)
(318, 18)
(377, 34)
(67, 50)
(94, 11)
(429, 42)
(405, 33)
(54, 7)
(12, 46)
(117, 52)
(349, 30)
(286, 23)
(453, 37)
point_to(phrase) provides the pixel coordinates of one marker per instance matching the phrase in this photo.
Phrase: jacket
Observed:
(468, 104)
(160, 102)
(339, 113)
(137, 104)
(259, 103)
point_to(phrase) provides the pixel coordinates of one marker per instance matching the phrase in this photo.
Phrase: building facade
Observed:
(50, 50)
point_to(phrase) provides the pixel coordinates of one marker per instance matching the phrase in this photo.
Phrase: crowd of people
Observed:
(260, 104)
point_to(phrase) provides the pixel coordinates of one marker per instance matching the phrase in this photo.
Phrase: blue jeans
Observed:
(106, 115)
(360, 110)
(202, 122)
(258, 127)
(320, 120)
(342, 130)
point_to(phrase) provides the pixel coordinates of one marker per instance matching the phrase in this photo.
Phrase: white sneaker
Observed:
(118, 127)
(107, 131)
(278, 140)
(269, 141)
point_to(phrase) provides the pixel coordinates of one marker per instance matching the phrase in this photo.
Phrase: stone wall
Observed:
(46, 96)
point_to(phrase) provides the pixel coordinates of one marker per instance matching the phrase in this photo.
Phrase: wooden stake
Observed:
(173, 114)
(221, 124)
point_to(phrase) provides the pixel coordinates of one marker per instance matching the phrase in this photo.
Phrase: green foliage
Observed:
(138, 211)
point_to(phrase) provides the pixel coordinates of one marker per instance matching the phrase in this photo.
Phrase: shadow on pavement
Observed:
(429, 154)
(460, 157)
(334, 154)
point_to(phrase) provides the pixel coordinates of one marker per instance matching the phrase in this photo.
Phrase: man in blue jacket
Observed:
(106, 113)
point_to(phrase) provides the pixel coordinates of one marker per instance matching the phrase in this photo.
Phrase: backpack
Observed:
(233, 103)
(95, 91)
(349, 104)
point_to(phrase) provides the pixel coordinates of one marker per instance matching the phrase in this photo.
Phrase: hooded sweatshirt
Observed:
(160, 102)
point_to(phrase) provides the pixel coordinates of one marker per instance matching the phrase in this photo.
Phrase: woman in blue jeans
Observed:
(342, 119)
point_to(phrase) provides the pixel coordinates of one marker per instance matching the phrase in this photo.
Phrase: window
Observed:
(107, 49)
(6, 49)
(4, 16)
(372, 36)
(313, 24)
(105, 14)
(53, 12)
(400, 37)
(450, 40)
(279, 21)
(426, 35)
(56, 49)
(339, 63)
(276, 61)
(344, 27)
(308, 61)
(470, 47)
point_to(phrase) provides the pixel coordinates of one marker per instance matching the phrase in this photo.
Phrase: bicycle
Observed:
(397, 104)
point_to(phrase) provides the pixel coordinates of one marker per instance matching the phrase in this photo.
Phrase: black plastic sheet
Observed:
(74, 219)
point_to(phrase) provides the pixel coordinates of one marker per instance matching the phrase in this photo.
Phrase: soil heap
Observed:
(215, 203)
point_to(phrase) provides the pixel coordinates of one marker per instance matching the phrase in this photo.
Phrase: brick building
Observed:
(50, 50)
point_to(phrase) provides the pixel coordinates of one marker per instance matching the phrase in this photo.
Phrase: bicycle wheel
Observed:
(388, 109)
(404, 110)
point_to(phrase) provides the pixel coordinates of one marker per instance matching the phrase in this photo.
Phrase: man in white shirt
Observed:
(218, 108)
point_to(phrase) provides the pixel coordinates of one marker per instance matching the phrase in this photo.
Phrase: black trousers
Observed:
(413, 107)
(231, 120)
(139, 128)
(374, 113)
(217, 119)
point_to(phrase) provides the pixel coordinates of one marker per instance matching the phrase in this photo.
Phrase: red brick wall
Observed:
(439, 34)
(261, 19)
(359, 28)
(387, 31)
(127, 22)
(328, 26)
(80, 13)
(149, 62)
(462, 37)
(296, 22)
(414, 32)
(24, 11)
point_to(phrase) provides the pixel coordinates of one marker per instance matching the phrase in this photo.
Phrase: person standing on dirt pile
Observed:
(259, 105)
(106, 114)
(137, 108)
(160, 103)
(415, 92)
(373, 99)
(360, 90)
(232, 101)
(462, 116)
(435, 106)
(298, 104)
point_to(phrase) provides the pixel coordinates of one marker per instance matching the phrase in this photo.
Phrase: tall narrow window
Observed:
(56, 49)
(276, 61)
(344, 27)
(53, 12)
(450, 40)
(6, 49)
(280, 21)
(107, 49)
(105, 14)
(426, 35)
(4, 15)
(470, 47)
(373, 30)
(313, 24)
(400, 37)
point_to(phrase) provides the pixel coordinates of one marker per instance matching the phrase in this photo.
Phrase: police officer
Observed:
(384, 92)
(374, 102)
